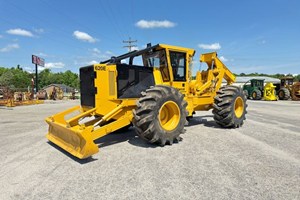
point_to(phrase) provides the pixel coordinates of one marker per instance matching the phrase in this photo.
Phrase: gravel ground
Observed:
(261, 160)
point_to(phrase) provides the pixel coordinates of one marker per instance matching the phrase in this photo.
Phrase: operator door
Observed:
(179, 70)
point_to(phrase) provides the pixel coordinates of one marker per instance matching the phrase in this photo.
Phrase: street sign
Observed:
(38, 61)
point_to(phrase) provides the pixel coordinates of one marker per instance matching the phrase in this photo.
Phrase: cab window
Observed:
(157, 59)
(178, 62)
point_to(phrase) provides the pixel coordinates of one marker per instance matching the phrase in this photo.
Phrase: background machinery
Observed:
(284, 92)
(270, 92)
(288, 89)
(296, 91)
(254, 89)
(257, 90)
(12, 97)
(156, 96)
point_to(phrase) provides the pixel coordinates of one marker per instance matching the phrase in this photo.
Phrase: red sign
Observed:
(38, 61)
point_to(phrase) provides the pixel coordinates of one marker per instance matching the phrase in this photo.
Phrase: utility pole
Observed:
(130, 44)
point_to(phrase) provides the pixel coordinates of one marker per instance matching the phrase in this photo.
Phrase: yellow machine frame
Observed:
(111, 114)
(270, 92)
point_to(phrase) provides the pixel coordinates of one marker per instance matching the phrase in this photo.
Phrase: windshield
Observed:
(157, 59)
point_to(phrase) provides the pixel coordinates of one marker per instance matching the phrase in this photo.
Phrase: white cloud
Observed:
(134, 48)
(222, 58)
(85, 62)
(96, 53)
(104, 57)
(92, 62)
(42, 54)
(214, 46)
(196, 62)
(84, 36)
(155, 24)
(54, 65)
(9, 47)
(95, 56)
(95, 50)
(20, 32)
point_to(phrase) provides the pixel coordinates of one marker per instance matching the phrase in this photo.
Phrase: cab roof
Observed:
(149, 48)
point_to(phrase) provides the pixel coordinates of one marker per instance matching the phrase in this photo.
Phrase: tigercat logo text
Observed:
(101, 68)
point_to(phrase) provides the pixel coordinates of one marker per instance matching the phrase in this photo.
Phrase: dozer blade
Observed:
(79, 143)
(76, 135)
(77, 140)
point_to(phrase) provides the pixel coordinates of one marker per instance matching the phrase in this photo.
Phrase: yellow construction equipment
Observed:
(156, 97)
(296, 91)
(270, 92)
(9, 98)
(288, 89)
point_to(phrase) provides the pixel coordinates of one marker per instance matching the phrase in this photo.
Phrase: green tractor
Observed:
(254, 89)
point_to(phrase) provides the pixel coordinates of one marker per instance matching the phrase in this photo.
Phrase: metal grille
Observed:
(112, 87)
(87, 86)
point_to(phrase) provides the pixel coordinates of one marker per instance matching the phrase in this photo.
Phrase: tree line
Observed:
(17, 78)
(296, 78)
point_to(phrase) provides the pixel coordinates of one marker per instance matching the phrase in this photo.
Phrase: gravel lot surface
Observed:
(261, 160)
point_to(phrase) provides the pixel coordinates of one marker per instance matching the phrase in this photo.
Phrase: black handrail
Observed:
(130, 55)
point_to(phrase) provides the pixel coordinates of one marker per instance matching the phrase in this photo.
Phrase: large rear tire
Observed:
(160, 115)
(229, 108)
(284, 94)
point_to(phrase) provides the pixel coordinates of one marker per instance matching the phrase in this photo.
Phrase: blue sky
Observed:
(249, 36)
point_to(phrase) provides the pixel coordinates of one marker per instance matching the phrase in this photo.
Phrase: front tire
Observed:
(160, 115)
(284, 94)
(229, 107)
(256, 94)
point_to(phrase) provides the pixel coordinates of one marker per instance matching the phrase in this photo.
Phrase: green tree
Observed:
(46, 77)
(15, 78)
(70, 79)
(6, 79)
(2, 70)
(21, 79)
